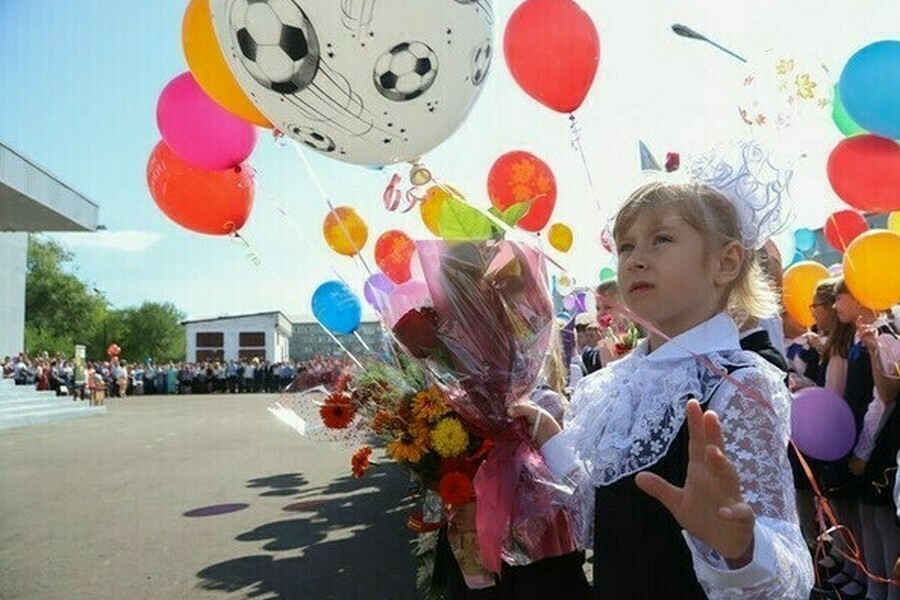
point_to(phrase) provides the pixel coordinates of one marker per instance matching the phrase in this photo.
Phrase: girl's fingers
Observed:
(726, 476)
(657, 487)
(713, 429)
(523, 409)
(696, 435)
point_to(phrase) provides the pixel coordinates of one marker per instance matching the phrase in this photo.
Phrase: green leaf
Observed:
(512, 215)
(460, 221)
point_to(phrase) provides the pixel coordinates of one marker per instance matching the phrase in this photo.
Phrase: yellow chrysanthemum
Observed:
(449, 438)
(429, 405)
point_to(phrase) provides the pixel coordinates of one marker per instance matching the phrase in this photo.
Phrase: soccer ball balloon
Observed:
(370, 82)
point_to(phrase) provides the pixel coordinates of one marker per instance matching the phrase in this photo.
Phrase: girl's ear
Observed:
(727, 267)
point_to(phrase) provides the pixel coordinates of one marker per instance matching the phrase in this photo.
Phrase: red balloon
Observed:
(519, 176)
(552, 50)
(393, 255)
(864, 171)
(213, 202)
(844, 226)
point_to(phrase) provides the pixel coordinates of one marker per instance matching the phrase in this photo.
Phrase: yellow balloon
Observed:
(207, 64)
(560, 237)
(798, 288)
(430, 208)
(345, 231)
(872, 269)
(893, 222)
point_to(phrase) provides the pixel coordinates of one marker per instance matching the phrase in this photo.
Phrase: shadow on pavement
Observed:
(352, 535)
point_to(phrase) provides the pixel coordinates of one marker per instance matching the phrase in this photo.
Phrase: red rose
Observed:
(456, 488)
(417, 331)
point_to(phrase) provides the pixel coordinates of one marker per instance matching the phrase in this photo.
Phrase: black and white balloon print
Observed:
(370, 82)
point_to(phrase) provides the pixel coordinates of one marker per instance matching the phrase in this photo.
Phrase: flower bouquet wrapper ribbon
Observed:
(493, 322)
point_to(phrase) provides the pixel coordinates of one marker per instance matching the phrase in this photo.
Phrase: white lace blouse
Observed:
(623, 418)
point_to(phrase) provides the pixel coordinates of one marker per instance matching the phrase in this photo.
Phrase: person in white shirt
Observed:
(676, 455)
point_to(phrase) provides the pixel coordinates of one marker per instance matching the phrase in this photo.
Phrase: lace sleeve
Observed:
(756, 441)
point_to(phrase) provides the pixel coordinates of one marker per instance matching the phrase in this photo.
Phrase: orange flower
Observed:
(407, 448)
(429, 405)
(455, 488)
(360, 461)
(382, 422)
(337, 412)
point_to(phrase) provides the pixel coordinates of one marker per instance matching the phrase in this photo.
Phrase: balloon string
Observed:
(362, 341)
(579, 147)
(242, 240)
(321, 189)
(338, 342)
(827, 516)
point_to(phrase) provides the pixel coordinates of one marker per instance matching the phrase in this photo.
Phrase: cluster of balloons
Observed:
(870, 268)
(864, 168)
(197, 174)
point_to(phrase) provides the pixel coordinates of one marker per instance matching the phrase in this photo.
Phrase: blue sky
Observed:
(79, 83)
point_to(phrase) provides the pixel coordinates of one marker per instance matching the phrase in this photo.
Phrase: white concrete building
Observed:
(31, 200)
(265, 336)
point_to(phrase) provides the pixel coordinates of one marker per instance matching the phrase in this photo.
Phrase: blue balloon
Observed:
(804, 240)
(870, 88)
(336, 307)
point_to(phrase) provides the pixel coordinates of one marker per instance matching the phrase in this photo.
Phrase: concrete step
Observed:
(7, 409)
(50, 416)
(28, 397)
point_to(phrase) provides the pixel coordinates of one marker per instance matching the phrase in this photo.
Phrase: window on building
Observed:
(253, 339)
(210, 339)
(251, 353)
(210, 355)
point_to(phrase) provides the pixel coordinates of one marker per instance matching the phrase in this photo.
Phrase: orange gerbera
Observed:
(430, 405)
(455, 488)
(382, 422)
(337, 412)
(407, 448)
(360, 461)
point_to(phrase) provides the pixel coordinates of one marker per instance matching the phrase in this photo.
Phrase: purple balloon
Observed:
(822, 424)
(377, 290)
(569, 303)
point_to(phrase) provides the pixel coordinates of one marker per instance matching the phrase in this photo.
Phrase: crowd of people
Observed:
(121, 378)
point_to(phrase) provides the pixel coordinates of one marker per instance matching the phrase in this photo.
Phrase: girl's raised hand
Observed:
(710, 506)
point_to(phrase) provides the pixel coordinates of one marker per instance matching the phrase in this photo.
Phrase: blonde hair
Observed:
(554, 371)
(710, 213)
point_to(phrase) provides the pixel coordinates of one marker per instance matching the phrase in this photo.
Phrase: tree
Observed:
(60, 311)
(151, 331)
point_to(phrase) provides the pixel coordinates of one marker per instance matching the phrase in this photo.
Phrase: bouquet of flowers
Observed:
(619, 334)
(396, 405)
(484, 338)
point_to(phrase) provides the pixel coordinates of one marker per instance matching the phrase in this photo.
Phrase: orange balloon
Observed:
(344, 230)
(798, 288)
(393, 255)
(872, 269)
(560, 237)
(430, 208)
(213, 202)
(207, 64)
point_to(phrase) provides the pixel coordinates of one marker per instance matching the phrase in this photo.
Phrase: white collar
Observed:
(718, 334)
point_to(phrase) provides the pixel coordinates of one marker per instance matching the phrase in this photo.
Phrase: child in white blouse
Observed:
(679, 473)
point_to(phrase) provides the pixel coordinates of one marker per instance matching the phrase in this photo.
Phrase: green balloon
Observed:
(607, 274)
(841, 118)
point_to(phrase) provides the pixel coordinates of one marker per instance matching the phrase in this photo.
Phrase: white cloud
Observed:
(122, 241)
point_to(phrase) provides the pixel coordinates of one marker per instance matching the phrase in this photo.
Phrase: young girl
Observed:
(682, 474)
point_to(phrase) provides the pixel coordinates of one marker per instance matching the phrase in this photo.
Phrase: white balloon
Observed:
(370, 82)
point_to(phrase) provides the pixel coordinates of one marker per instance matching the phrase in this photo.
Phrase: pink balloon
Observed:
(200, 131)
(406, 297)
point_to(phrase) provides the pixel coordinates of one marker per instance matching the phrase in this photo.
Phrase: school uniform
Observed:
(630, 417)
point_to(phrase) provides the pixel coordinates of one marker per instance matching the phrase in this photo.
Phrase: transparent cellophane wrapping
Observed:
(484, 338)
